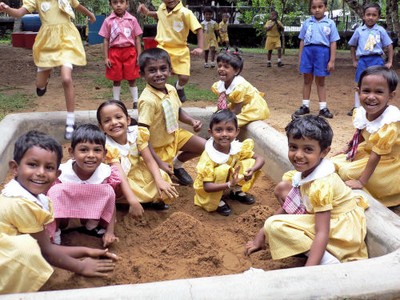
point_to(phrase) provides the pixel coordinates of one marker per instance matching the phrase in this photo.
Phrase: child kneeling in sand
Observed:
(224, 164)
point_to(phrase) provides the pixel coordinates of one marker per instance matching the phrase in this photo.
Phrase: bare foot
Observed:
(257, 244)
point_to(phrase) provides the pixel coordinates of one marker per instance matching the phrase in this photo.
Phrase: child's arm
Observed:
(109, 236)
(390, 56)
(331, 63)
(106, 46)
(138, 46)
(318, 246)
(359, 183)
(237, 108)
(68, 258)
(184, 117)
(353, 50)
(248, 174)
(200, 42)
(162, 185)
(13, 12)
(301, 47)
(211, 187)
(161, 164)
(142, 9)
(82, 9)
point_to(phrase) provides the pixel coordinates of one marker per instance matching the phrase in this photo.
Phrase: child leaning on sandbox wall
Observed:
(26, 252)
(211, 33)
(174, 23)
(57, 44)
(121, 48)
(225, 165)
(333, 228)
(235, 92)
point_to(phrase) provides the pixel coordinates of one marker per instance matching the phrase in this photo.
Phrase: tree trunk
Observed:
(356, 7)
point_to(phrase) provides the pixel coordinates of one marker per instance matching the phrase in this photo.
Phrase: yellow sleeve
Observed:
(30, 5)
(238, 94)
(288, 176)
(112, 155)
(214, 88)
(205, 168)
(321, 194)
(143, 137)
(147, 108)
(191, 19)
(74, 3)
(384, 139)
(247, 149)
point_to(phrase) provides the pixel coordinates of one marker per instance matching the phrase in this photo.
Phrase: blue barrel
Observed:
(31, 22)
(93, 35)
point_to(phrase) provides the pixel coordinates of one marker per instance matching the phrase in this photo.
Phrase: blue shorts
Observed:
(314, 60)
(365, 62)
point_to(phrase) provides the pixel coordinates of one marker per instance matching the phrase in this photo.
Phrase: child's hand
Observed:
(354, 184)
(96, 267)
(388, 65)
(197, 125)
(197, 51)
(109, 238)
(142, 9)
(92, 18)
(136, 209)
(235, 177)
(3, 7)
(167, 168)
(331, 66)
(108, 63)
(168, 189)
(248, 174)
(355, 64)
(96, 253)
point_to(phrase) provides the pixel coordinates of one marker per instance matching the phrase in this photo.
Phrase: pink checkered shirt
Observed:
(293, 203)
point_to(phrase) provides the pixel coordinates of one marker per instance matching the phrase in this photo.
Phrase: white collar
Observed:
(325, 168)
(390, 115)
(219, 157)
(68, 174)
(235, 82)
(132, 133)
(15, 189)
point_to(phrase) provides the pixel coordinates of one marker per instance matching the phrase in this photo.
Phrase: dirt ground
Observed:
(186, 241)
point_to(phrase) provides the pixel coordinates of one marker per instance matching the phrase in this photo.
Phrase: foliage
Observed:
(10, 103)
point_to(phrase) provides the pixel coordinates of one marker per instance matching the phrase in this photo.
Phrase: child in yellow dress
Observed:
(57, 44)
(26, 252)
(372, 159)
(235, 92)
(127, 148)
(223, 31)
(211, 33)
(174, 23)
(333, 227)
(226, 164)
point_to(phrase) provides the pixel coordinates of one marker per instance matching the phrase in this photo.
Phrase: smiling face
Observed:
(224, 133)
(156, 73)
(208, 16)
(374, 95)
(114, 123)
(226, 73)
(87, 156)
(317, 9)
(371, 16)
(119, 7)
(37, 170)
(170, 4)
(305, 154)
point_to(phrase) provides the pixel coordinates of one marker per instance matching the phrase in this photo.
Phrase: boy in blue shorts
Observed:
(317, 55)
(367, 45)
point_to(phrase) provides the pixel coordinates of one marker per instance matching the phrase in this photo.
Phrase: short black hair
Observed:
(311, 1)
(88, 133)
(223, 115)
(312, 127)
(207, 9)
(153, 54)
(39, 139)
(231, 57)
(109, 1)
(372, 5)
(389, 75)
(118, 103)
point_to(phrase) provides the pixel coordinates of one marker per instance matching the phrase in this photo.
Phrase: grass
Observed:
(12, 103)
(5, 39)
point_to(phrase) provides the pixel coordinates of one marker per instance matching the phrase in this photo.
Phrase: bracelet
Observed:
(229, 184)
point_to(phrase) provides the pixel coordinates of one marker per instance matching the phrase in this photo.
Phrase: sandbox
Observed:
(377, 277)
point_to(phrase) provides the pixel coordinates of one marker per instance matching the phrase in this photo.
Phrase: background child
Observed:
(57, 44)
(211, 33)
(236, 93)
(373, 157)
(174, 23)
(224, 164)
(128, 149)
(367, 45)
(26, 252)
(223, 31)
(274, 27)
(317, 54)
(160, 110)
(85, 188)
(334, 228)
(122, 47)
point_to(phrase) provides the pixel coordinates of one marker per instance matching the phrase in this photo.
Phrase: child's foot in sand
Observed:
(257, 244)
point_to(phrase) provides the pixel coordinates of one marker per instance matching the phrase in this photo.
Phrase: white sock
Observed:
(356, 100)
(91, 224)
(221, 203)
(322, 105)
(268, 61)
(70, 119)
(279, 60)
(116, 92)
(177, 163)
(134, 93)
(57, 237)
(328, 259)
(179, 87)
(306, 102)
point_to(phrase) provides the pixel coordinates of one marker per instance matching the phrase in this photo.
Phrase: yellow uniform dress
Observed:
(223, 32)
(216, 167)
(321, 191)
(210, 39)
(22, 266)
(273, 40)
(172, 32)
(254, 107)
(58, 41)
(139, 177)
(151, 113)
(381, 136)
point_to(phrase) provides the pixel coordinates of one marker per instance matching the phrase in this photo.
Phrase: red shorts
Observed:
(124, 64)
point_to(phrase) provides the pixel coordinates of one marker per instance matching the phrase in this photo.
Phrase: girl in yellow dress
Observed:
(333, 227)
(372, 161)
(235, 92)
(226, 164)
(127, 148)
(57, 44)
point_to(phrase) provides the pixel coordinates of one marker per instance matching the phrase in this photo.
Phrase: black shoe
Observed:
(303, 110)
(224, 210)
(181, 94)
(96, 232)
(41, 92)
(350, 113)
(325, 113)
(280, 64)
(160, 205)
(69, 130)
(269, 65)
(242, 197)
(134, 106)
(183, 176)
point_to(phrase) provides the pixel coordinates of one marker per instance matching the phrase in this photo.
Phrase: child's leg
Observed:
(42, 79)
(116, 90)
(281, 191)
(206, 58)
(257, 244)
(305, 105)
(180, 84)
(269, 56)
(69, 94)
(321, 91)
(134, 92)
(280, 64)
(212, 50)
(193, 148)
